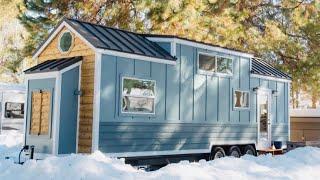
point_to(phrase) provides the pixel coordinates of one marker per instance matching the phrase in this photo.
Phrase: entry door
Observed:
(264, 120)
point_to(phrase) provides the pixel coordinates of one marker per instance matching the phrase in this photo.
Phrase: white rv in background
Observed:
(12, 98)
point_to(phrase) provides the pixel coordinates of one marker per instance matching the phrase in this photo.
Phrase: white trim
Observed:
(78, 115)
(56, 117)
(96, 102)
(250, 65)
(270, 78)
(173, 49)
(135, 56)
(200, 45)
(70, 67)
(72, 42)
(42, 75)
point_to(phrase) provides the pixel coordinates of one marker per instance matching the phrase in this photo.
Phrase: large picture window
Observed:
(210, 64)
(14, 110)
(241, 99)
(138, 96)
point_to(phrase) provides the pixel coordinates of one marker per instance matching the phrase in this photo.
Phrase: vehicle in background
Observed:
(12, 97)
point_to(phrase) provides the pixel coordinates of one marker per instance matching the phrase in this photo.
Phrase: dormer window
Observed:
(65, 42)
(210, 64)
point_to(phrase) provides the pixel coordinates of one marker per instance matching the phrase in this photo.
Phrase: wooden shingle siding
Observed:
(87, 84)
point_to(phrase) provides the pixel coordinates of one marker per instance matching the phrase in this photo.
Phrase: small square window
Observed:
(224, 65)
(241, 99)
(207, 63)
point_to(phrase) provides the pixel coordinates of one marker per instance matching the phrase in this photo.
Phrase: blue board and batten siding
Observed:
(192, 110)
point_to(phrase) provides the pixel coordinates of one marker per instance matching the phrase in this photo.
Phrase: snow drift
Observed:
(302, 163)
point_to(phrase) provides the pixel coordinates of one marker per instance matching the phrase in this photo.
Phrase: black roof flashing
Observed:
(53, 65)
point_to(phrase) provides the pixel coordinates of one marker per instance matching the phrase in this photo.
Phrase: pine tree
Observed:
(12, 37)
(41, 16)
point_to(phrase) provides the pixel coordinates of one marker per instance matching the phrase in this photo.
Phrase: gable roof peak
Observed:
(101, 37)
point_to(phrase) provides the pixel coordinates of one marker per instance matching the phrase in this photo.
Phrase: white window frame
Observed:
(233, 101)
(149, 97)
(204, 72)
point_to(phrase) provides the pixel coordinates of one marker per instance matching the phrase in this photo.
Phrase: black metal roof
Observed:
(53, 65)
(261, 67)
(118, 40)
(187, 39)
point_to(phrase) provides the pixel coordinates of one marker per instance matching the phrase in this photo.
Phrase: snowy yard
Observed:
(303, 163)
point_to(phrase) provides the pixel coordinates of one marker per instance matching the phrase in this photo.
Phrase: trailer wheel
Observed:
(217, 153)
(234, 151)
(250, 150)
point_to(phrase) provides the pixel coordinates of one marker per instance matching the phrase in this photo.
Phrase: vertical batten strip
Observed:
(56, 116)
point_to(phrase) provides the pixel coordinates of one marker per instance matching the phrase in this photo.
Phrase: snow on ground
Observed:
(10, 143)
(302, 163)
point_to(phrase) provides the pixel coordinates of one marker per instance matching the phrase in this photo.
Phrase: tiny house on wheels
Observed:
(150, 98)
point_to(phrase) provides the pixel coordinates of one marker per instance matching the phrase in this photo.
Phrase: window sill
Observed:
(214, 74)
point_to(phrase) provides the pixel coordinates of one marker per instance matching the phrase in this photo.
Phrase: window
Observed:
(241, 99)
(210, 64)
(65, 42)
(207, 63)
(14, 110)
(138, 96)
(224, 65)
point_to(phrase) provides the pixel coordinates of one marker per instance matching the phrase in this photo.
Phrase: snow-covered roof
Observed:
(305, 115)
(12, 87)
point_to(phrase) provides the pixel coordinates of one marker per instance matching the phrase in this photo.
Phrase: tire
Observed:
(217, 153)
(249, 150)
(234, 151)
